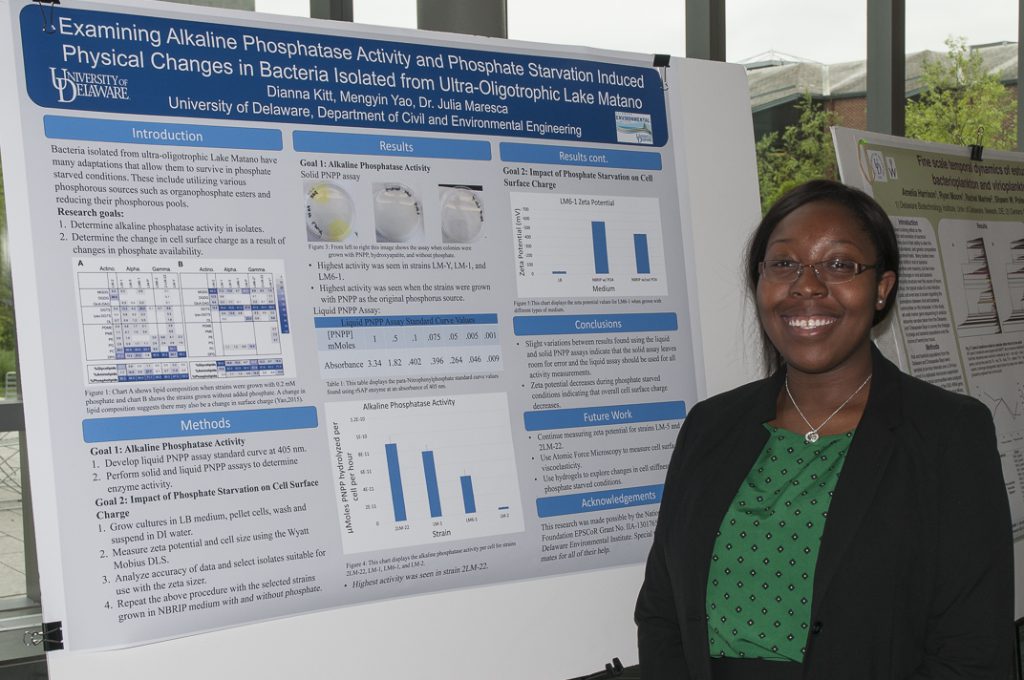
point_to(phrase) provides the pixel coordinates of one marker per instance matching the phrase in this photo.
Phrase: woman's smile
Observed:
(809, 323)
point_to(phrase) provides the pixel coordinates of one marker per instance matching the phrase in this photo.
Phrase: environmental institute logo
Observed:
(72, 85)
(633, 127)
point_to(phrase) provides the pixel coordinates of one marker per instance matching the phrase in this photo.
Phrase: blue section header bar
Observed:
(402, 321)
(594, 323)
(576, 503)
(168, 134)
(515, 152)
(198, 424)
(380, 145)
(137, 65)
(603, 416)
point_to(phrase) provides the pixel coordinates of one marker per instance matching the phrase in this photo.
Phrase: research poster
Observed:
(959, 319)
(320, 315)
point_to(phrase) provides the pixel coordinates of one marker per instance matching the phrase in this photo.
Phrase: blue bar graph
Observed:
(433, 493)
(573, 246)
(643, 260)
(395, 475)
(467, 494)
(600, 247)
(435, 474)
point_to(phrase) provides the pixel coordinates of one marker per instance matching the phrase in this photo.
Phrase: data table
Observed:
(175, 320)
(423, 344)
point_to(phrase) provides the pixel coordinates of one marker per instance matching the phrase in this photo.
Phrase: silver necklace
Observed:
(812, 434)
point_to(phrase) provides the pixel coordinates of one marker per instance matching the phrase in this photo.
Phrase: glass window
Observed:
(296, 8)
(12, 526)
(19, 582)
(646, 26)
(396, 13)
(930, 22)
(811, 30)
(227, 4)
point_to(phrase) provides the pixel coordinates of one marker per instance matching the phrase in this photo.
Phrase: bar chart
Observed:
(418, 471)
(982, 316)
(583, 246)
(1015, 284)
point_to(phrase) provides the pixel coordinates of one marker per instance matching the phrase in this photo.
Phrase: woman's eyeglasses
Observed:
(828, 271)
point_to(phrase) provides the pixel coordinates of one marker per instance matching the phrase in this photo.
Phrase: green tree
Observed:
(6, 298)
(800, 153)
(960, 102)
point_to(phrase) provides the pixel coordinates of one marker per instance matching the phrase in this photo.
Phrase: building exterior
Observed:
(778, 82)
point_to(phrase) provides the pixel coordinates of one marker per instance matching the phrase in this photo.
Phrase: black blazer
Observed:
(915, 571)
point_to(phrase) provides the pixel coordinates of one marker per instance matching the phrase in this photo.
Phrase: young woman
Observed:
(839, 519)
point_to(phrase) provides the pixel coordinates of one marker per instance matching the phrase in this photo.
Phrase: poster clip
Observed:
(661, 63)
(48, 26)
(611, 670)
(977, 149)
(51, 637)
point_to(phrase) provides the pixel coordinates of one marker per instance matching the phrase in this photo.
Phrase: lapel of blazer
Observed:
(864, 467)
(730, 456)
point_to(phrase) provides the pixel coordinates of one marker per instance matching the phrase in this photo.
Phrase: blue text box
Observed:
(571, 155)
(604, 416)
(198, 424)
(594, 323)
(594, 501)
(110, 61)
(390, 145)
(167, 134)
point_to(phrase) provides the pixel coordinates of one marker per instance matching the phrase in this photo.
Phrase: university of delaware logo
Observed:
(73, 85)
(65, 86)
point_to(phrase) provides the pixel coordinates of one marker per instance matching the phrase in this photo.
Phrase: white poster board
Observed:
(959, 320)
(297, 346)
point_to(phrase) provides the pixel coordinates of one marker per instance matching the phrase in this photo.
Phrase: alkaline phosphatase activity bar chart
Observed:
(418, 471)
(585, 246)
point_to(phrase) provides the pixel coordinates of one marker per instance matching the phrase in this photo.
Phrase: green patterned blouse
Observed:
(762, 567)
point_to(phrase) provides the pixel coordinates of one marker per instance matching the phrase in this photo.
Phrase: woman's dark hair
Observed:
(869, 215)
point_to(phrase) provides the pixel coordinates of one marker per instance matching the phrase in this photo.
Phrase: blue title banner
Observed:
(195, 424)
(139, 132)
(109, 62)
(564, 324)
(603, 416)
(390, 145)
(592, 501)
(517, 152)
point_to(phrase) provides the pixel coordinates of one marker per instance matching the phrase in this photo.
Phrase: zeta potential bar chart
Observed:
(418, 471)
(580, 246)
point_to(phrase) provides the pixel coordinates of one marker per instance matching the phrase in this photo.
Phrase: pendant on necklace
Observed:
(811, 437)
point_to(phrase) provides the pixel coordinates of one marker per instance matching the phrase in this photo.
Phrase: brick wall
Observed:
(852, 112)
